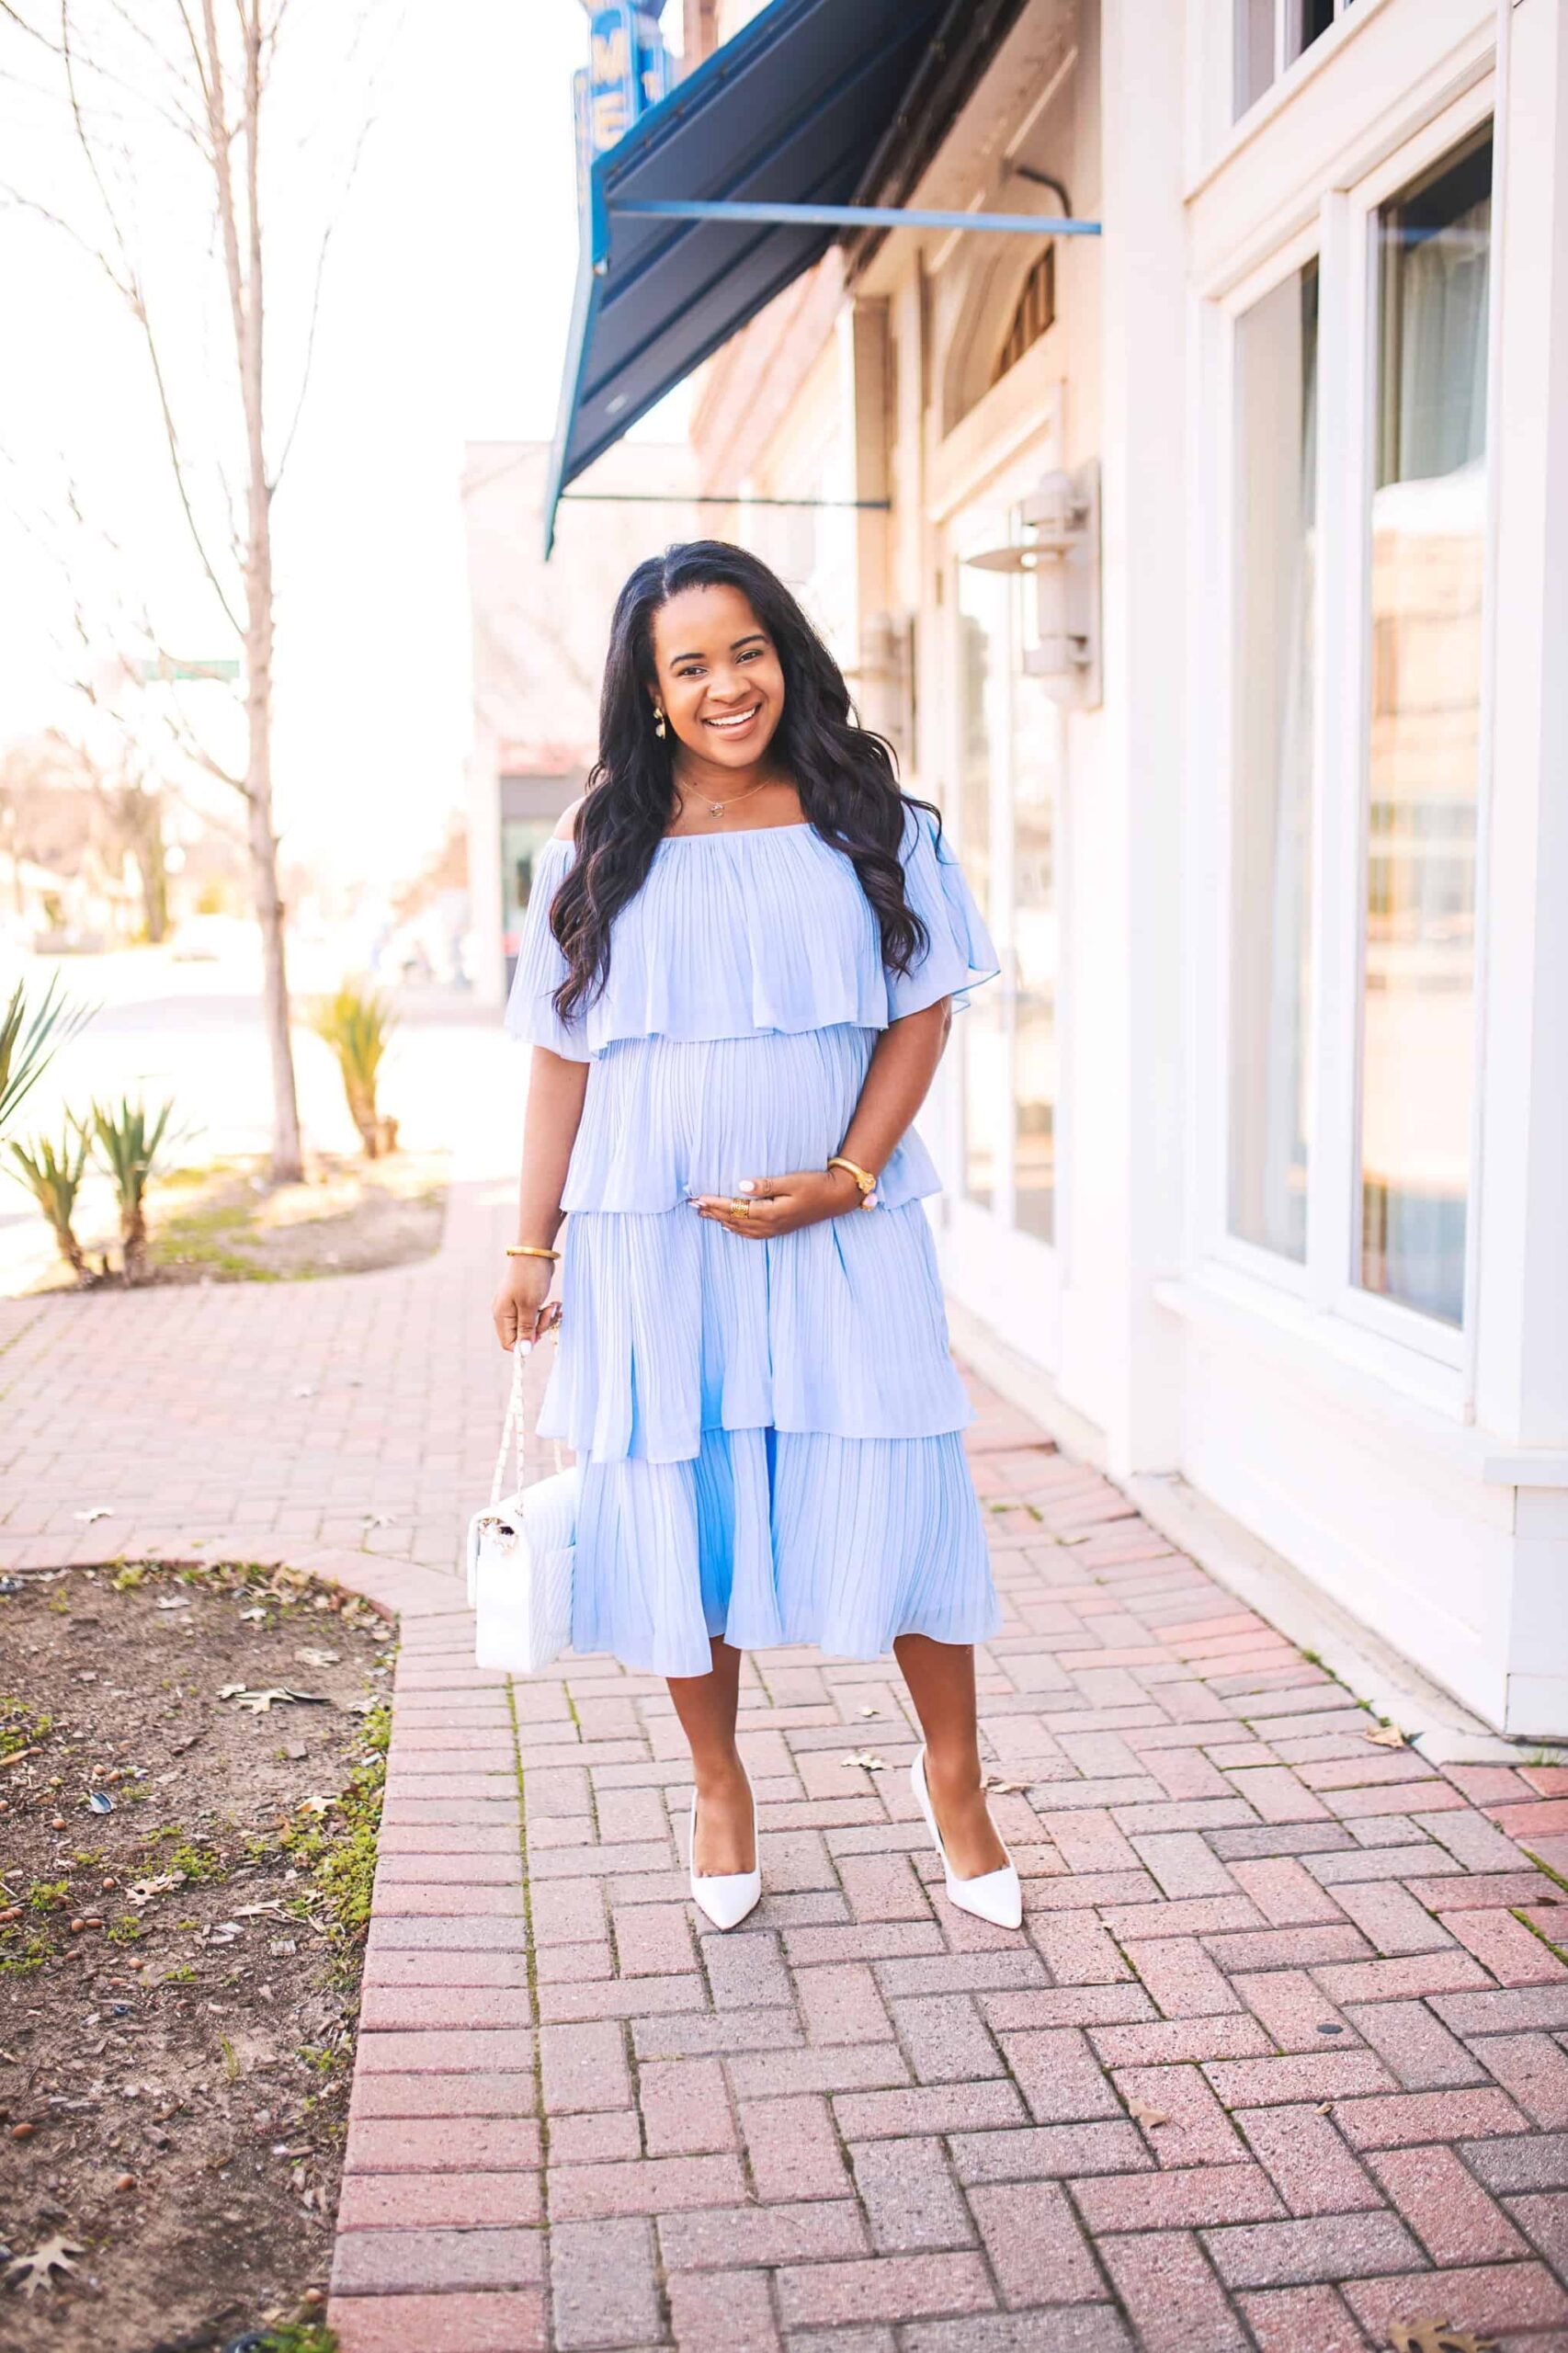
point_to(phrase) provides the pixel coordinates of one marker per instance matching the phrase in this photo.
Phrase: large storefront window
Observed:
(1036, 724)
(1276, 446)
(984, 656)
(1428, 578)
(1009, 772)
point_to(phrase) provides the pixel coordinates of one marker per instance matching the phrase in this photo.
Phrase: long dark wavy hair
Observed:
(846, 778)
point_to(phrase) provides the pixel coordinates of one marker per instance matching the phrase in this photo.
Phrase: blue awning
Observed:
(791, 111)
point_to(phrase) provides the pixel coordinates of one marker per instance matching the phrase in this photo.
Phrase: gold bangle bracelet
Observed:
(862, 1177)
(529, 1250)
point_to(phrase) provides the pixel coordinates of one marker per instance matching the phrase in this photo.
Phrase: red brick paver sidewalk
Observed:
(1279, 2062)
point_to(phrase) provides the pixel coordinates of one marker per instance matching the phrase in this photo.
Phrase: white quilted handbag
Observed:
(519, 1556)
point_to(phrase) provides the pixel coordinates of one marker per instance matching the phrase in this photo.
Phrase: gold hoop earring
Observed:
(658, 722)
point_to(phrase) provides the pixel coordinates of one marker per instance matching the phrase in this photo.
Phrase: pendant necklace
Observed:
(717, 808)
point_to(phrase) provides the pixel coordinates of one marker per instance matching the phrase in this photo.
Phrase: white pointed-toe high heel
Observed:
(726, 1897)
(995, 1896)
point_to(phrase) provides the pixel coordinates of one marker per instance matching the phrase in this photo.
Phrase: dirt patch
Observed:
(230, 1224)
(188, 1857)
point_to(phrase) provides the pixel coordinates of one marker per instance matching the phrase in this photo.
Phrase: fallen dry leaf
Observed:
(319, 1658)
(31, 2272)
(1431, 2337)
(260, 1703)
(1147, 2117)
(142, 1891)
(1386, 1736)
(870, 1764)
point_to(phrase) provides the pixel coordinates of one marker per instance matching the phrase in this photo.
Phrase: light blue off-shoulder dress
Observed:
(768, 1432)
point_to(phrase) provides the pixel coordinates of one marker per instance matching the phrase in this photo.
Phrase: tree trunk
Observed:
(155, 881)
(70, 1249)
(287, 1154)
(134, 1244)
(246, 300)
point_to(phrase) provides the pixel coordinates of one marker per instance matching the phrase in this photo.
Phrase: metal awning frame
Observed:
(602, 212)
(844, 216)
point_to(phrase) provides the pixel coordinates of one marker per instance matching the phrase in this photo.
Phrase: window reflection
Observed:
(1037, 766)
(1427, 549)
(983, 670)
(1275, 390)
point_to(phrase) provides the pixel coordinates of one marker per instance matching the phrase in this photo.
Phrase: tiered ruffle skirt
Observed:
(770, 1431)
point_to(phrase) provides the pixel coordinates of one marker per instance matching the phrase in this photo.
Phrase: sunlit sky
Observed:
(445, 317)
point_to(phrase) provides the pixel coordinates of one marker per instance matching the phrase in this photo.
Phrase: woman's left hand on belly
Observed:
(765, 1206)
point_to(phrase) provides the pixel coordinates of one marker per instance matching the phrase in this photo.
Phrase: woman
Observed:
(736, 972)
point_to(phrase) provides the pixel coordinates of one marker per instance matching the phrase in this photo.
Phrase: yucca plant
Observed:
(29, 1036)
(357, 1024)
(128, 1139)
(53, 1175)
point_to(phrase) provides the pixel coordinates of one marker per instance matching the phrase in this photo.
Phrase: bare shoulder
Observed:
(566, 831)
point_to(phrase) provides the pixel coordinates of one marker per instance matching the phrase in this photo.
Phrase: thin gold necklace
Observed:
(717, 808)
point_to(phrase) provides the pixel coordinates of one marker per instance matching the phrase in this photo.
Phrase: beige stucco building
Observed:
(539, 640)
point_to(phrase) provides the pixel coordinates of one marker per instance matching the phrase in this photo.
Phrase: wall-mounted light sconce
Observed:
(1060, 548)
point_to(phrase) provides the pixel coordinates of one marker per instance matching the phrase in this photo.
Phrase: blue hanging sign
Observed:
(627, 72)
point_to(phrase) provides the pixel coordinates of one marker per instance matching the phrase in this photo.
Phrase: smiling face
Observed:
(719, 680)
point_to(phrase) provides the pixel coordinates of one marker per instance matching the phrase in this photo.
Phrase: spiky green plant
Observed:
(29, 1036)
(357, 1024)
(127, 1140)
(53, 1175)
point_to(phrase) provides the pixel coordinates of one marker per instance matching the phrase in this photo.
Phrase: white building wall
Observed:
(1418, 1473)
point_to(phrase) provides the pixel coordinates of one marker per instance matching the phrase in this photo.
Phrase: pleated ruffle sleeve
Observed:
(959, 952)
(738, 935)
(530, 1010)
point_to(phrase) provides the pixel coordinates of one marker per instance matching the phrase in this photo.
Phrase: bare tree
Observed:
(183, 79)
(130, 805)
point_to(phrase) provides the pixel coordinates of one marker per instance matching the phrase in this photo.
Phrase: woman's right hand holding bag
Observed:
(522, 1308)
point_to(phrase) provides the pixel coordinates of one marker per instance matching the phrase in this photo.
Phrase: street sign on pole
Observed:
(160, 671)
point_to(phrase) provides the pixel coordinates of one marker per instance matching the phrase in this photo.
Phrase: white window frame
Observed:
(1345, 874)
(1282, 79)
(1012, 1278)
(1415, 1352)
(1251, 1257)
